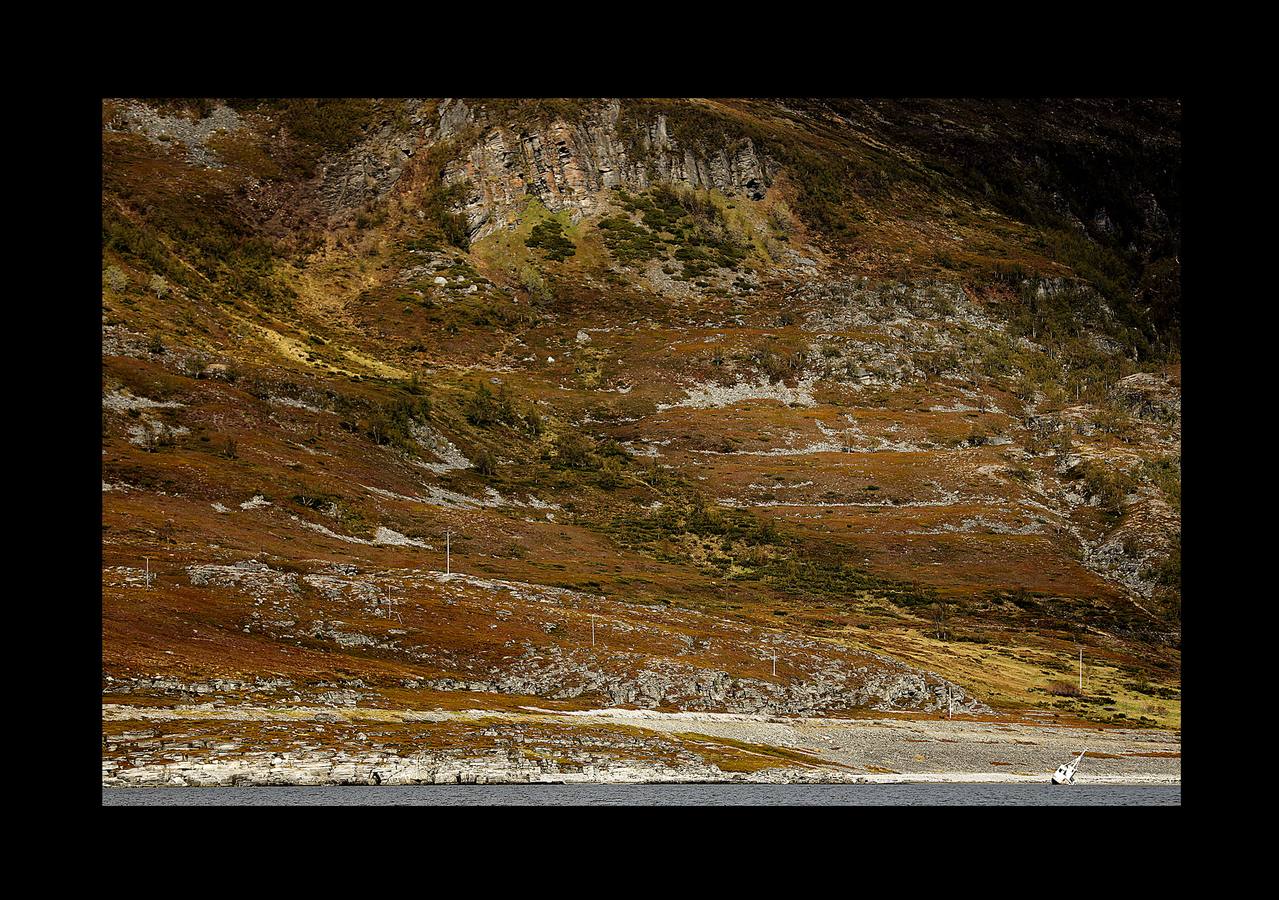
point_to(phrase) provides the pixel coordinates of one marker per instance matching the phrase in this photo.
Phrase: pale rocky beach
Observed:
(618, 746)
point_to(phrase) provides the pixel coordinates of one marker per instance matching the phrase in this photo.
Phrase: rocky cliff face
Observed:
(568, 166)
(367, 173)
(565, 165)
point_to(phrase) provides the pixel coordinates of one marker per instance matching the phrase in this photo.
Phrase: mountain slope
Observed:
(889, 388)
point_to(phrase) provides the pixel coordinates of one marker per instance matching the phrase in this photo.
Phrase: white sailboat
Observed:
(1065, 773)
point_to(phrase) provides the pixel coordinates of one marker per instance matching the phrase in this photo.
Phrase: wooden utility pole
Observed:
(448, 555)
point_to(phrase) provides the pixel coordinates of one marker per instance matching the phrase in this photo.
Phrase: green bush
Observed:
(610, 474)
(1165, 474)
(630, 243)
(574, 451)
(482, 408)
(1109, 487)
(548, 236)
(392, 423)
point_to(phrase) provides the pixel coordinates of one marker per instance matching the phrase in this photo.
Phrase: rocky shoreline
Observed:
(320, 771)
(612, 746)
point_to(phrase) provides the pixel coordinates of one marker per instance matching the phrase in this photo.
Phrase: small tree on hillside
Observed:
(115, 279)
(572, 451)
(485, 464)
(482, 407)
(940, 620)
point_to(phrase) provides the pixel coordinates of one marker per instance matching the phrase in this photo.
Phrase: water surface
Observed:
(655, 795)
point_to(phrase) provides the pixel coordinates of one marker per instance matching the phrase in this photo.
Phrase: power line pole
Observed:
(774, 663)
(448, 555)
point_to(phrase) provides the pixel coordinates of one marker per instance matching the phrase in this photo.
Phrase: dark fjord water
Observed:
(654, 795)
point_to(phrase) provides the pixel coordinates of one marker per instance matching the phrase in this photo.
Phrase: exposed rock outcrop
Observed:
(835, 687)
(569, 166)
(372, 168)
